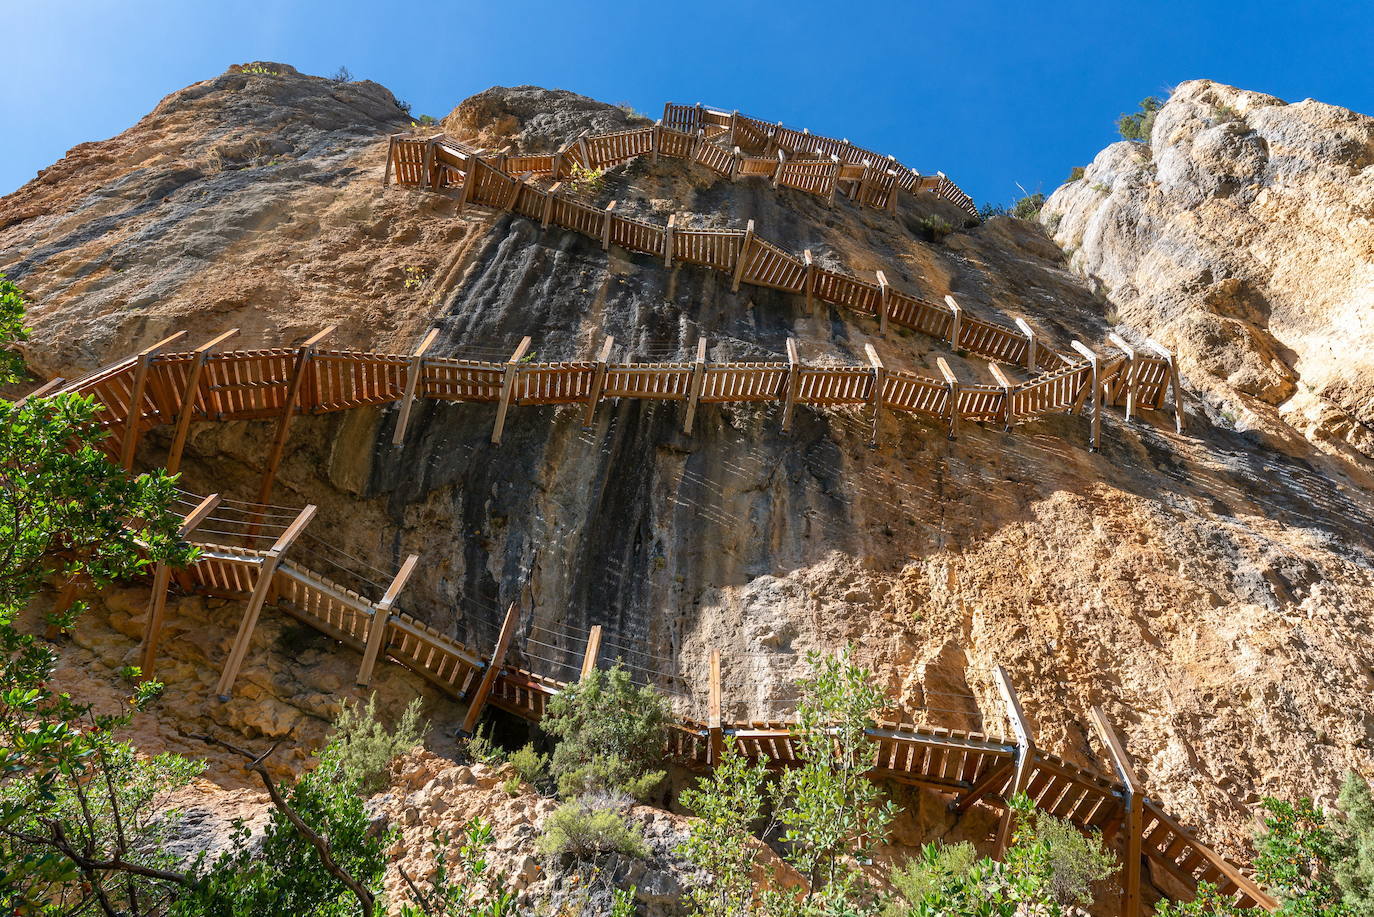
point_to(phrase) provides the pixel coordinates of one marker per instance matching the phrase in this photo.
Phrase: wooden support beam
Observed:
(655, 140)
(508, 388)
(267, 569)
(606, 226)
(1135, 812)
(188, 398)
(390, 152)
(162, 575)
(892, 191)
(133, 425)
(1025, 752)
(668, 240)
(694, 155)
(1096, 392)
(498, 659)
(592, 651)
(876, 397)
(982, 787)
(789, 403)
(698, 383)
(1031, 364)
(1174, 384)
(299, 373)
(42, 391)
(736, 158)
(810, 281)
(1008, 415)
(583, 153)
(1129, 375)
(598, 380)
(549, 197)
(834, 180)
(429, 166)
(952, 384)
(381, 620)
(414, 373)
(956, 314)
(777, 169)
(884, 301)
(714, 729)
(734, 126)
(743, 260)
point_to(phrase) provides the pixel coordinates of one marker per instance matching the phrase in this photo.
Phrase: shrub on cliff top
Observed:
(610, 735)
(1137, 126)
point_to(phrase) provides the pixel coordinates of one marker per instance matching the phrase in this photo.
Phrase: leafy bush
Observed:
(934, 227)
(1355, 869)
(1076, 861)
(530, 765)
(936, 866)
(591, 827)
(1076, 173)
(342, 75)
(12, 331)
(610, 735)
(1224, 114)
(727, 803)
(585, 180)
(1137, 126)
(482, 749)
(1028, 207)
(362, 746)
(423, 121)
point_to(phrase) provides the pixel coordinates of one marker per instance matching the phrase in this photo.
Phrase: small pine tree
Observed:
(1138, 125)
(1355, 868)
(610, 735)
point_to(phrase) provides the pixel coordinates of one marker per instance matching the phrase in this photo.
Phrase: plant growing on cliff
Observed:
(1137, 125)
(12, 331)
(362, 745)
(586, 180)
(1028, 207)
(727, 804)
(610, 735)
(590, 827)
(1355, 868)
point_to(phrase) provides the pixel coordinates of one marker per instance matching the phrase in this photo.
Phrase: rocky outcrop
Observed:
(1241, 236)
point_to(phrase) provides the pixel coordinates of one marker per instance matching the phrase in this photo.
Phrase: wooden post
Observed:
(956, 313)
(582, 151)
(952, 383)
(876, 399)
(414, 372)
(1129, 382)
(1031, 365)
(498, 659)
(188, 398)
(713, 720)
(507, 388)
(736, 158)
(606, 226)
(266, 570)
(598, 380)
(162, 575)
(390, 151)
(1007, 390)
(698, 383)
(793, 383)
(556, 167)
(133, 428)
(668, 240)
(548, 204)
(1174, 384)
(777, 170)
(293, 399)
(884, 298)
(734, 126)
(1025, 752)
(980, 789)
(429, 167)
(381, 620)
(892, 192)
(810, 280)
(1135, 811)
(655, 140)
(469, 180)
(592, 652)
(694, 155)
(743, 258)
(1096, 392)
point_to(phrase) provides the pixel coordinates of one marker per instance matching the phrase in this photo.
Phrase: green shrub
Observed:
(363, 747)
(591, 827)
(1137, 126)
(530, 765)
(1355, 869)
(512, 786)
(936, 866)
(934, 227)
(1076, 861)
(727, 802)
(586, 180)
(423, 121)
(1028, 207)
(1224, 114)
(482, 749)
(1076, 173)
(610, 735)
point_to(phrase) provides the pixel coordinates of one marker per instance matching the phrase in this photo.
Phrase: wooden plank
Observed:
(1025, 752)
(598, 380)
(668, 240)
(1173, 383)
(884, 298)
(793, 383)
(1132, 825)
(188, 398)
(413, 377)
(714, 730)
(951, 386)
(508, 386)
(133, 425)
(1007, 388)
(550, 197)
(498, 659)
(42, 391)
(293, 401)
(381, 620)
(698, 383)
(1129, 378)
(1026, 329)
(876, 398)
(957, 313)
(743, 259)
(606, 226)
(1091, 357)
(267, 567)
(592, 651)
(390, 152)
(984, 785)
(162, 574)
(810, 278)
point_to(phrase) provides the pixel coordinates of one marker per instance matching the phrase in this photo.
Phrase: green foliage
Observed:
(12, 331)
(936, 866)
(530, 765)
(471, 889)
(286, 875)
(1355, 868)
(1224, 114)
(1137, 126)
(1028, 207)
(631, 112)
(1076, 861)
(1294, 857)
(591, 827)
(933, 227)
(610, 735)
(483, 750)
(1076, 173)
(422, 121)
(1209, 902)
(362, 746)
(727, 804)
(260, 70)
(623, 902)
(586, 180)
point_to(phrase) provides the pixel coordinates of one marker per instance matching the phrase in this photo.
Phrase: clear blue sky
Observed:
(994, 94)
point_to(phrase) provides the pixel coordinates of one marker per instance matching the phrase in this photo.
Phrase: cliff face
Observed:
(1207, 590)
(1242, 236)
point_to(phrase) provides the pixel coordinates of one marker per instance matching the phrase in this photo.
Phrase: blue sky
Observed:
(994, 94)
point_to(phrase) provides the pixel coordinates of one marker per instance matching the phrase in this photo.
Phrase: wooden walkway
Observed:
(264, 555)
(1058, 381)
